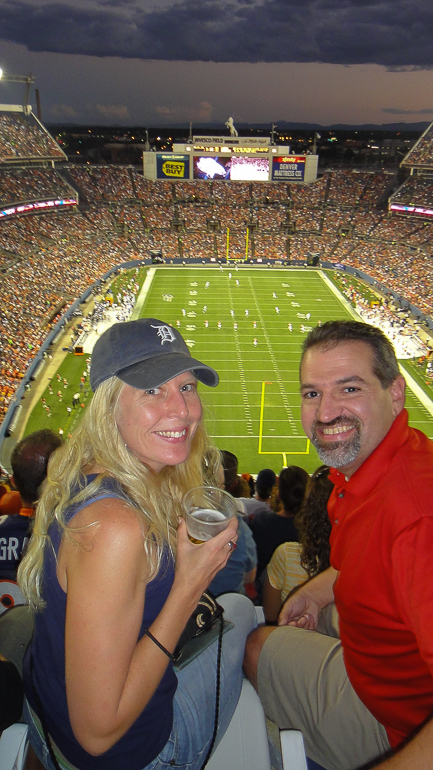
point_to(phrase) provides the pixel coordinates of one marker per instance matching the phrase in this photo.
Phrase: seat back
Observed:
(10, 595)
(245, 743)
(14, 745)
(16, 629)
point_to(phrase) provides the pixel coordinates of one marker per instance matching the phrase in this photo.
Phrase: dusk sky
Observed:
(162, 62)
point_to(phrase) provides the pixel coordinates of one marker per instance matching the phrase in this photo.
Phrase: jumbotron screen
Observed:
(233, 169)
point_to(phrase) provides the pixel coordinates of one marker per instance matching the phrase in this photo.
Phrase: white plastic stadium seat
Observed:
(245, 744)
(14, 745)
(292, 750)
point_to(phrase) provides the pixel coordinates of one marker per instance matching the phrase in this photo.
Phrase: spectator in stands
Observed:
(29, 462)
(265, 482)
(233, 483)
(293, 563)
(271, 529)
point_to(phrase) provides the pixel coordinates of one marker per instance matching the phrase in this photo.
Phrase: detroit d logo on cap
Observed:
(166, 333)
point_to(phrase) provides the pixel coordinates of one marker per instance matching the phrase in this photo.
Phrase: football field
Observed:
(249, 325)
(238, 321)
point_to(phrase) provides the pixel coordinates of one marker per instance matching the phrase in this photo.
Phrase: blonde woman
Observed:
(114, 576)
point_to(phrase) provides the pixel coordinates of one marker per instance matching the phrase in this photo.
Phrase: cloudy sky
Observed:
(162, 62)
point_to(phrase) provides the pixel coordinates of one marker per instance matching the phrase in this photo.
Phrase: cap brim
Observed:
(153, 372)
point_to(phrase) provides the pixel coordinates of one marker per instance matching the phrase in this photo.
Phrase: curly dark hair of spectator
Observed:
(292, 483)
(314, 525)
(333, 333)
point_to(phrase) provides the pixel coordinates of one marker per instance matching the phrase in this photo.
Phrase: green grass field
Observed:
(255, 410)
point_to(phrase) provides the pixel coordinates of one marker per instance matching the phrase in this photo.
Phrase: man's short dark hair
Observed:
(333, 333)
(29, 462)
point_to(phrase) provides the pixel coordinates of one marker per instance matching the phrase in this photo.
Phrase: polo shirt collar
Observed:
(367, 477)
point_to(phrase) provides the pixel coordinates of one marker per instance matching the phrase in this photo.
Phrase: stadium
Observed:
(240, 246)
(244, 269)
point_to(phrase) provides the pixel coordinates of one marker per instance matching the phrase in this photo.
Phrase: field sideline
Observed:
(238, 322)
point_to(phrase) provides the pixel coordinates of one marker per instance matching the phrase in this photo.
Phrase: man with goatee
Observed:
(356, 697)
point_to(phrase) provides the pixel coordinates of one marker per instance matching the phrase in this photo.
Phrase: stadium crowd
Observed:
(47, 261)
(98, 183)
(125, 216)
(22, 137)
(416, 190)
(31, 184)
(422, 153)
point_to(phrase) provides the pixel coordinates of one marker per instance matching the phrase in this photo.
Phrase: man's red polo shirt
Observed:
(382, 546)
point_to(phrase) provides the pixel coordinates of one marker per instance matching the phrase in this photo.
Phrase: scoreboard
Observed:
(230, 159)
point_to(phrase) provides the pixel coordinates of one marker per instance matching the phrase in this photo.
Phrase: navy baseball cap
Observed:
(145, 354)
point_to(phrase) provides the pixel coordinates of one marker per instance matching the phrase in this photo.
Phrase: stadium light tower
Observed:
(26, 79)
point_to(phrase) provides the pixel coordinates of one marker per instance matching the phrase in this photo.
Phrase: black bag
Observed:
(202, 625)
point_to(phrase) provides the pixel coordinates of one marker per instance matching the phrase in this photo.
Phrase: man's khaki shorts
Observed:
(303, 685)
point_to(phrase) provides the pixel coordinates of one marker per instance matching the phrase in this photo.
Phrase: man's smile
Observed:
(335, 430)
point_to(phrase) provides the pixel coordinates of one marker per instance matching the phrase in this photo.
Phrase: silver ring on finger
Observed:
(232, 545)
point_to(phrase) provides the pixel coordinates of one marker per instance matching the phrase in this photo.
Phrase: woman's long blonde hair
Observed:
(97, 441)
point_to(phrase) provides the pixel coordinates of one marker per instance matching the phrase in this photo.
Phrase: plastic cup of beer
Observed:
(208, 511)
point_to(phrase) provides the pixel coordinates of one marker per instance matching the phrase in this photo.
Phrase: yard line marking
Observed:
(255, 436)
(244, 388)
(274, 363)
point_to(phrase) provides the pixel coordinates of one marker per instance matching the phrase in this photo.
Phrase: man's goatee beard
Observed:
(337, 453)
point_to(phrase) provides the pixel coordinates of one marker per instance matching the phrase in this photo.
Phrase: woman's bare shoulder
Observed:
(108, 519)
(102, 536)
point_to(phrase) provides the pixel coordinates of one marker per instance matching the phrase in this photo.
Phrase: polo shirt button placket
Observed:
(340, 495)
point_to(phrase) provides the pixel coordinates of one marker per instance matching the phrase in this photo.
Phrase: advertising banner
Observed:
(288, 168)
(412, 209)
(172, 166)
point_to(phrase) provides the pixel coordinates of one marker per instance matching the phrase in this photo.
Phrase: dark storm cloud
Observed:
(395, 33)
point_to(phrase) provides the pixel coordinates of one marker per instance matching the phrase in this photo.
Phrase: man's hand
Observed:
(303, 607)
(300, 611)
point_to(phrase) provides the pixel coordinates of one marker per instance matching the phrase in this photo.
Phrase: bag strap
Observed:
(40, 714)
(217, 695)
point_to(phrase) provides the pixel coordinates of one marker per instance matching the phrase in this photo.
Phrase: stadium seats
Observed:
(14, 745)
